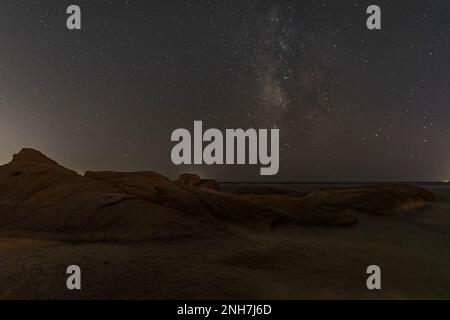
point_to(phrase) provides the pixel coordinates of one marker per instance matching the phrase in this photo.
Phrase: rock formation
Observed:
(41, 199)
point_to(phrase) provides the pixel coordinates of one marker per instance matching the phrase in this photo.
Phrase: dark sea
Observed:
(305, 186)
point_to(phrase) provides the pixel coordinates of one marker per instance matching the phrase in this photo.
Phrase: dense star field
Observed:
(350, 103)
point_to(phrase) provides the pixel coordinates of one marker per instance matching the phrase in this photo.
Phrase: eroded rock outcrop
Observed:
(41, 199)
(376, 199)
(335, 206)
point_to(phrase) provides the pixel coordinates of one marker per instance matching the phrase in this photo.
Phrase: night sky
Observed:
(351, 104)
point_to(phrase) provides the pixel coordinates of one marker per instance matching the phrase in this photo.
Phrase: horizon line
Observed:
(336, 181)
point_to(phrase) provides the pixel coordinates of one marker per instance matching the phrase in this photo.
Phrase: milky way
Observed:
(295, 81)
(350, 103)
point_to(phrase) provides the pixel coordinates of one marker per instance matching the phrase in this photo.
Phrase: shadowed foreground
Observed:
(140, 235)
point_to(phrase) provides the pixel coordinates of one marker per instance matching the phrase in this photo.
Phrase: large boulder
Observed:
(41, 199)
(190, 179)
